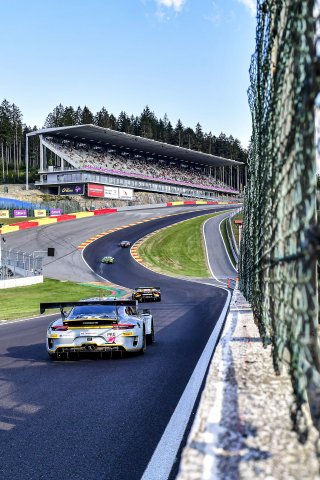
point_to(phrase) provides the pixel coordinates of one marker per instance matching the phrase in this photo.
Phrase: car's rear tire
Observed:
(144, 344)
(150, 336)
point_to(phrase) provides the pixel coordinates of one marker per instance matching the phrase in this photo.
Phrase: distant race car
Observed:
(145, 294)
(125, 244)
(98, 326)
(107, 260)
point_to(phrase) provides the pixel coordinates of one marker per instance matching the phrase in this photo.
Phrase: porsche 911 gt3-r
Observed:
(107, 259)
(124, 244)
(98, 326)
(146, 294)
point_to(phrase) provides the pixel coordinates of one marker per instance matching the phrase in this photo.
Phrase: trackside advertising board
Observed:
(40, 213)
(125, 193)
(55, 212)
(4, 213)
(111, 192)
(103, 191)
(20, 213)
(95, 190)
(72, 189)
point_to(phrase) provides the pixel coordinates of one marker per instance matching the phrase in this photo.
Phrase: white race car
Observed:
(98, 326)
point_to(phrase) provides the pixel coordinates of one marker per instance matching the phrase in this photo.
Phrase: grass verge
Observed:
(23, 302)
(9, 221)
(178, 249)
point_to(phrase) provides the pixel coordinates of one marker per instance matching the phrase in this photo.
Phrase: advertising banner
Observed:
(111, 192)
(95, 190)
(20, 213)
(72, 189)
(125, 193)
(4, 213)
(40, 213)
(55, 212)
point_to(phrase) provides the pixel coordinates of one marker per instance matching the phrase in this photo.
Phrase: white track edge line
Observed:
(20, 320)
(166, 451)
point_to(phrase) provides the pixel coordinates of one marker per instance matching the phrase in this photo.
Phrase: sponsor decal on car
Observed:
(111, 339)
(88, 332)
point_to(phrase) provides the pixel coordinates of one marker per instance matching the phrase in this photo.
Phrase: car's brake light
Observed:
(60, 328)
(123, 326)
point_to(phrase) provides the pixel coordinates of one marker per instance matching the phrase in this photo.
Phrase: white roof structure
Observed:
(112, 138)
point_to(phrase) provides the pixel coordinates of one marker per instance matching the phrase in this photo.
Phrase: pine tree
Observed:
(199, 137)
(6, 135)
(102, 118)
(86, 116)
(178, 133)
(189, 138)
(78, 114)
(168, 133)
(135, 125)
(112, 122)
(123, 123)
(69, 116)
(148, 123)
(222, 145)
(49, 121)
(16, 122)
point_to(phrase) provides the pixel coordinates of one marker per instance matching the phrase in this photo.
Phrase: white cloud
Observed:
(251, 5)
(215, 16)
(175, 4)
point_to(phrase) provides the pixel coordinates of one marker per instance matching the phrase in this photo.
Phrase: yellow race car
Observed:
(147, 294)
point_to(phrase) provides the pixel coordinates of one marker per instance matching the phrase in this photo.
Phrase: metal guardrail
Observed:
(234, 243)
(20, 264)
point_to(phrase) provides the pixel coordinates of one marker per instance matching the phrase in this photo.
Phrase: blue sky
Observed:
(186, 58)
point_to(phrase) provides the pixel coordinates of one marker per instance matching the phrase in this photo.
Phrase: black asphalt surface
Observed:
(220, 263)
(64, 237)
(92, 418)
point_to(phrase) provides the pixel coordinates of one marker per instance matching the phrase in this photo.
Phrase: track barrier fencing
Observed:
(20, 264)
(281, 236)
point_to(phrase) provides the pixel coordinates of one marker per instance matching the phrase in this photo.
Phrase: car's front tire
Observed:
(53, 356)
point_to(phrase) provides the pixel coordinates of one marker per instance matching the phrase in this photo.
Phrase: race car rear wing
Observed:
(62, 305)
(147, 288)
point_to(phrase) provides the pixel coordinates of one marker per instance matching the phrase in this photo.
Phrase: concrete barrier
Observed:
(21, 281)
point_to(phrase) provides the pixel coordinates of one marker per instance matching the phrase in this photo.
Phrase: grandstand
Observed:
(99, 162)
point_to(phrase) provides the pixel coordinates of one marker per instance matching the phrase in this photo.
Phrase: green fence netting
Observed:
(280, 241)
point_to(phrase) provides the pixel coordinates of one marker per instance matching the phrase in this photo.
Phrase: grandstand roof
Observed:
(93, 133)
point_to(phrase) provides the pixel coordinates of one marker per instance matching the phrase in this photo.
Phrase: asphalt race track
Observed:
(93, 418)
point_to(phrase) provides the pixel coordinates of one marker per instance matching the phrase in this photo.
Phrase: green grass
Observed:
(23, 302)
(7, 221)
(178, 250)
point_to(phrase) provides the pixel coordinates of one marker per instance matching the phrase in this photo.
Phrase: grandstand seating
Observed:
(94, 159)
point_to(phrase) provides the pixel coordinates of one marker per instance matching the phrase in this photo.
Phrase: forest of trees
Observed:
(12, 145)
(13, 131)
